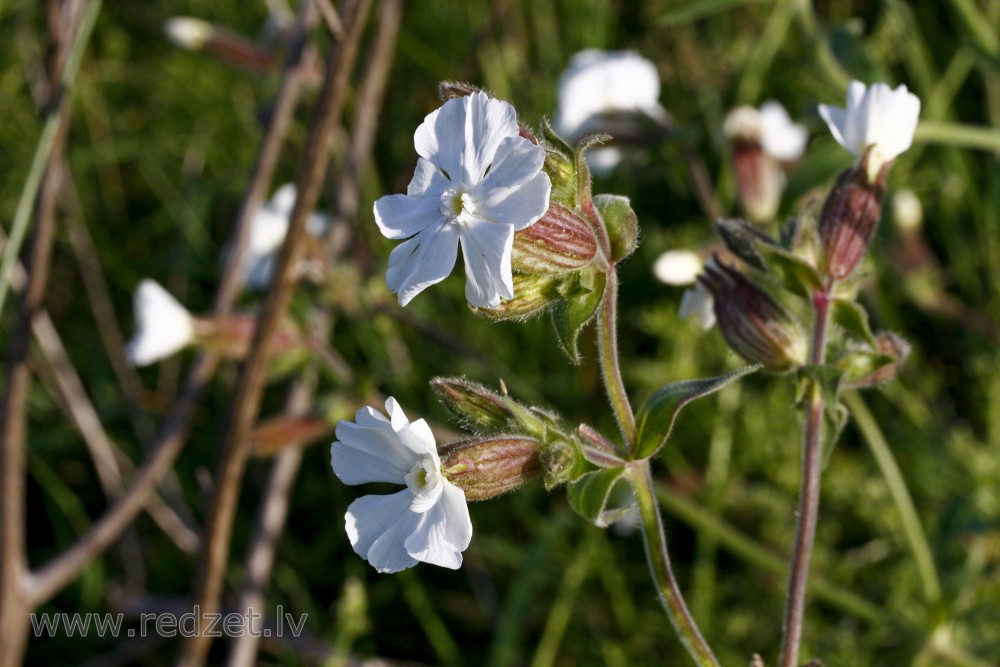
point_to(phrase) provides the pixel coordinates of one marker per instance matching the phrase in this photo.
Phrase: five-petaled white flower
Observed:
(877, 117)
(476, 183)
(268, 229)
(162, 325)
(428, 521)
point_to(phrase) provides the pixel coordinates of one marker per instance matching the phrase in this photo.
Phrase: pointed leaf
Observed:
(741, 239)
(591, 494)
(620, 222)
(655, 419)
(796, 274)
(851, 317)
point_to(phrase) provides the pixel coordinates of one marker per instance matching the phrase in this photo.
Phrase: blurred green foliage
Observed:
(161, 147)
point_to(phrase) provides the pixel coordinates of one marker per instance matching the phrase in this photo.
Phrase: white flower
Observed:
(187, 32)
(476, 183)
(268, 229)
(770, 127)
(698, 302)
(600, 82)
(876, 117)
(427, 521)
(162, 325)
(678, 267)
(597, 83)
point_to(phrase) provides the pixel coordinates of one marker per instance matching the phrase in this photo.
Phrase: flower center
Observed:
(457, 205)
(424, 474)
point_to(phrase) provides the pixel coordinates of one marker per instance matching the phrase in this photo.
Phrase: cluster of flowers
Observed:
(480, 183)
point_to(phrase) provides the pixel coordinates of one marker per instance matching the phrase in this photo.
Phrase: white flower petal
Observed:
(876, 116)
(780, 137)
(487, 247)
(678, 267)
(516, 191)
(427, 180)
(444, 532)
(697, 302)
(423, 260)
(378, 527)
(403, 216)
(162, 325)
(488, 123)
(598, 82)
(836, 120)
(283, 199)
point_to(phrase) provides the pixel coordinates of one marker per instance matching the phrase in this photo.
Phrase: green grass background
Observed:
(161, 146)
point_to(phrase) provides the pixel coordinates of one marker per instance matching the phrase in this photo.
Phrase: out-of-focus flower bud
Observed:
(907, 211)
(762, 140)
(489, 467)
(849, 217)
(752, 322)
(275, 435)
(558, 243)
(231, 335)
(621, 222)
(860, 375)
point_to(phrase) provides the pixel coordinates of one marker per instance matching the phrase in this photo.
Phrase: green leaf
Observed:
(834, 421)
(591, 494)
(577, 308)
(655, 419)
(827, 378)
(853, 319)
(796, 274)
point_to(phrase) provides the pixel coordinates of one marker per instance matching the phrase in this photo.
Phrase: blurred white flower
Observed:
(162, 325)
(876, 117)
(428, 521)
(476, 183)
(268, 229)
(187, 32)
(762, 140)
(698, 302)
(678, 267)
(601, 83)
(907, 211)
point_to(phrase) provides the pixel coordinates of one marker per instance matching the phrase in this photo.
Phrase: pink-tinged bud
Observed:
(558, 243)
(231, 335)
(474, 405)
(759, 177)
(849, 217)
(756, 326)
(487, 468)
(274, 435)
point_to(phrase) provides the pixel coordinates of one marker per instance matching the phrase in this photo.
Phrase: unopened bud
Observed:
(231, 335)
(558, 243)
(621, 222)
(275, 435)
(487, 468)
(752, 322)
(862, 372)
(532, 296)
(478, 408)
(849, 217)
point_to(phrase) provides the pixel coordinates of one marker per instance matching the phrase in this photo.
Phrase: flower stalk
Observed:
(655, 540)
(808, 510)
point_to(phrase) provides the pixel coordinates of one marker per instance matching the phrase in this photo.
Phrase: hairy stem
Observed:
(808, 511)
(654, 538)
(607, 341)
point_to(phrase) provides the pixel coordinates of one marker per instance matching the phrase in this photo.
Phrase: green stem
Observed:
(957, 135)
(607, 341)
(654, 538)
(812, 460)
(900, 494)
(43, 151)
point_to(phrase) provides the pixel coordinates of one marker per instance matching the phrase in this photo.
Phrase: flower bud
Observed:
(487, 468)
(752, 322)
(532, 296)
(477, 407)
(275, 435)
(621, 222)
(889, 345)
(558, 243)
(848, 219)
(231, 335)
